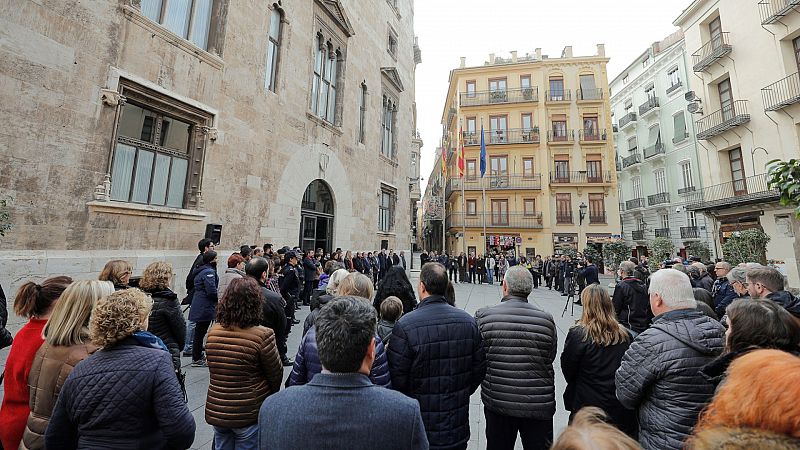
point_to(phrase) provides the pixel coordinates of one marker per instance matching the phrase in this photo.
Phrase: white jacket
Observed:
(490, 263)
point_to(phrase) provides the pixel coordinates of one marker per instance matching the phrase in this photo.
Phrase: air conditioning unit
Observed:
(690, 96)
(694, 108)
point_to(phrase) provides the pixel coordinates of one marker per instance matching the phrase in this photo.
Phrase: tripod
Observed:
(570, 297)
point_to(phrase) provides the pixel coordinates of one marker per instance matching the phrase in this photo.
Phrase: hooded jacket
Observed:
(166, 321)
(632, 304)
(204, 302)
(660, 376)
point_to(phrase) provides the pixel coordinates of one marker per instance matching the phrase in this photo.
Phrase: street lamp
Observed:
(582, 213)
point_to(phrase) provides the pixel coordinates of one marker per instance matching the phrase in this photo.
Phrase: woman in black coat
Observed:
(592, 354)
(166, 320)
(396, 283)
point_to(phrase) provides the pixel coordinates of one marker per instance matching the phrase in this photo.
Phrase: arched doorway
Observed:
(316, 212)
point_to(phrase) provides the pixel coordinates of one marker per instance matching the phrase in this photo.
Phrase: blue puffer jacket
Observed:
(122, 397)
(437, 357)
(307, 363)
(204, 303)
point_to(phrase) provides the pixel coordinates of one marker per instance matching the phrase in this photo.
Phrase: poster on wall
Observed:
(564, 242)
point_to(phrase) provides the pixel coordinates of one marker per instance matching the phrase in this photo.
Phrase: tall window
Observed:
(562, 170)
(499, 212)
(156, 151)
(674, 77)
(498, 171)
(189, 19)
(388, 122)
(498, 126)
(386, 209)
(661, 181)
(691, 219)
(497, 90)
(472, 172)
(323, 89)
(715, 32)
(590, 131)
(686, 174)
(588, 89)
(559, 128)
(556, 89)
(391, 45)
(597, 208)
(594, 171)
(525, 81)
(796, 46)
(529, 206)
(650, 92)
(470, 134)
(636, 184)
(737, 171)
(632, 144)
(471, 88)
(527, 167)
(726, 99)
(472, 207)
(362, 114)
(563, 208)
(527, 121)
(273, 49)
(679, 125)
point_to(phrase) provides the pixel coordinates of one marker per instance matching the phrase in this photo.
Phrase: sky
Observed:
(449, 29)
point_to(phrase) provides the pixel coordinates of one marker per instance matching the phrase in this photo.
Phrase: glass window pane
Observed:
(270, 71)
(332, 105)
(275, 25)
(177, 19)
(151, 9)
(201, 22)
(136, 122)
(141, 180)
(122, 172)
(332, 71)
(175, 134)
(323, 99)
(587, 84)
(160, 176)
(314, 93)
(177, 181)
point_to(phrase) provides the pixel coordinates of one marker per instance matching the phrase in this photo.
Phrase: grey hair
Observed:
(737, 274)
(674, 288)
(725, 265)
(345, 327)
(693, 270)
(519, 281)
(333, 282)
(700, 267)
(627, 268)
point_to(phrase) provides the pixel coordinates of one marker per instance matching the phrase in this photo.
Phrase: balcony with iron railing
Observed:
(782, 93)
(748, 190)
(672, 88)
(631, 160)
(662, 232)
(686, 190)
(723, 120)
(494, 182)
(772, 11)
(711, 52)
(531, 220)
(558, 96)
(627, 120)
(564, 137)
(654, 150)
(648, 107)
(637, 235)
(680, 137)
(621, 206)
(690, 233)
(580, 177)
(589, 95)
(634, 203)
(619, 165)
(499, 96)
(496, 137)
(658, 199)
(589, 136)
(597, 217)
(564, 217)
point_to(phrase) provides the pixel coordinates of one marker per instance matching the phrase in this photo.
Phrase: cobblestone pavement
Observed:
(468, 296)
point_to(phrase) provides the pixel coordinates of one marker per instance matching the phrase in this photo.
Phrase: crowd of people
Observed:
(675, 358)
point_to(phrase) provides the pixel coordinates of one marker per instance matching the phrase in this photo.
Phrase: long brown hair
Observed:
(36, 299)
(240, 306)
(598, 318)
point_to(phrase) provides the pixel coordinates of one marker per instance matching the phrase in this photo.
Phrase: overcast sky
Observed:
(449, 29)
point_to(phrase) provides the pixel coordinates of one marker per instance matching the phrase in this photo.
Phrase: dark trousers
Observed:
(453, 274)
(471, 275)
(501, 432)
(290, 307)
(197, 343)
(559, 282)
(549, 281)
(307, 291)
(567, 285)
(535, 279)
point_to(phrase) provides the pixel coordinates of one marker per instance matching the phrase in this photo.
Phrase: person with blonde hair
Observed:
(590, 430)
(592, 354)
(356, 284)
(330, 292)
(126, 394)
(66, 343)
(117, 271)
(166, 320)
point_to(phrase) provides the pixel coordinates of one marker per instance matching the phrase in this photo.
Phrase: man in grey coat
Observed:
(660, 372)
(340, 407)
(518, 391)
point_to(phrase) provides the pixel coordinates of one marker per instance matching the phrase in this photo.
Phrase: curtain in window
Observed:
(141, 180)
(122, 172)
(152, 9)
(272, 49)
(331, 114)
(177, 182)
(158, 195)
(315, 85)
(588, 90)
(654, 136)
(679, 122)
(201, 22)
(177, 17)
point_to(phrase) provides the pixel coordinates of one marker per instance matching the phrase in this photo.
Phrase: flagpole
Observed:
(483, 188)
(462, 168)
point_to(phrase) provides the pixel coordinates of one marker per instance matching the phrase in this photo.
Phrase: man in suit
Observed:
(383, 264)
(340, 407)
(403, 259)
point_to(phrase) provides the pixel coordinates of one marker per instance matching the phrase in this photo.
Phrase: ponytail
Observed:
(36, 299)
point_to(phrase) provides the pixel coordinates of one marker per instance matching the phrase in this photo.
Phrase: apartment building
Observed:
(745, 56)
(657, 152)
(550, 181)
(135, 128)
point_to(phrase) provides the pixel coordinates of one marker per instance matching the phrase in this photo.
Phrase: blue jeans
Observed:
(245, 438)
(490, 275)
(189, 336)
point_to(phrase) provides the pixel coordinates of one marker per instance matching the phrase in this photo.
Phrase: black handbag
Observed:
(182, 382)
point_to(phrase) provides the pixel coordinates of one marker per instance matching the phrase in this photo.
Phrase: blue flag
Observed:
(483, 153)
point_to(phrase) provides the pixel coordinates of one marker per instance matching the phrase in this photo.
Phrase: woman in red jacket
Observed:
(34, 301)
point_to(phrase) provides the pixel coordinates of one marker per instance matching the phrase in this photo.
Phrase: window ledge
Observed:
(390, 161)
(325, 124)
(387, 233)
(135, 16)
(133, 209)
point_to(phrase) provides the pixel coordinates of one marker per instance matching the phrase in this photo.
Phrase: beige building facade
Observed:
(745, 92)
(550, 179)
(132, 128)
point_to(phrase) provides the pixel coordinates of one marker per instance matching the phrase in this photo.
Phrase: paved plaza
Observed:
(468, 296)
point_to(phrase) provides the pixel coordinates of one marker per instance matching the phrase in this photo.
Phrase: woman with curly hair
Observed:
(166, 320)
(117, 271)
(244, 364)
(396, 283)
(126, 394)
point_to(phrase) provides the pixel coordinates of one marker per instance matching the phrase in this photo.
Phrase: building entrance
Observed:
(317, 214)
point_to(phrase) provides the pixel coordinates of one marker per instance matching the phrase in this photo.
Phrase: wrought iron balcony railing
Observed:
(562, 137)
(723, 120)
(637, 235)
(740, 192)
(711, 52)
(662, 232)
(597, 217)
(512, 136)
(653, 150)
(621, 206)
(564, 217)
(581, 177)
(680, 137)
(782, 93)
(494, 182)
(690, 233)
(634, 203)
(631, 160)
(658, 199)
(772, 11)
(499, 96)
(531, 220)
(588, 136)
(686, 190)
(673, 87)
(650, 105)
(626, 120)
(590, 94)
(564, 95)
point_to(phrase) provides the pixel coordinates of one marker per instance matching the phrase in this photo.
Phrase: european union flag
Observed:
(483, 153)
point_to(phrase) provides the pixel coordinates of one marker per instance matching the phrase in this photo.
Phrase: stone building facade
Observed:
(129, 126)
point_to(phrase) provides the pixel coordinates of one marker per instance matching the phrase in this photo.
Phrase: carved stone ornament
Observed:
(211, 133)
(112, 98)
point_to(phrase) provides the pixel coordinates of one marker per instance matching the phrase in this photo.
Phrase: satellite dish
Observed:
(694, 108)
(690, 97)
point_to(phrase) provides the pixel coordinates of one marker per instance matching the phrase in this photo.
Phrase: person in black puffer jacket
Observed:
(273, 306)
(396, 283)
(166, 320)
(437, 357)
(5, 336)
(631, 300)
(660, 372)
(521, 342)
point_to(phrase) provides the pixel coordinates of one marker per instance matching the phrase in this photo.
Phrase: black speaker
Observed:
(214, 232)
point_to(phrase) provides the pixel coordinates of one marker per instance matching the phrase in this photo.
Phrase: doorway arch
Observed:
(317, 217)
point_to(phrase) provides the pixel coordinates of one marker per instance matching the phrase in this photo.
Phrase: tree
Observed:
(614, 253)
(660, 248)
(591, 252)
(746, 246)
(5, 216)
(698, 248)
(785, 177)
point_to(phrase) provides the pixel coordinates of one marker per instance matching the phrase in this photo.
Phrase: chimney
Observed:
(567, 52)
(491, 58)
(513, 56)
(601, 49)
(538, 54)
(463, 62)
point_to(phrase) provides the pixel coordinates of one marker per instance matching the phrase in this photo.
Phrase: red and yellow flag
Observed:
(444, 160)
